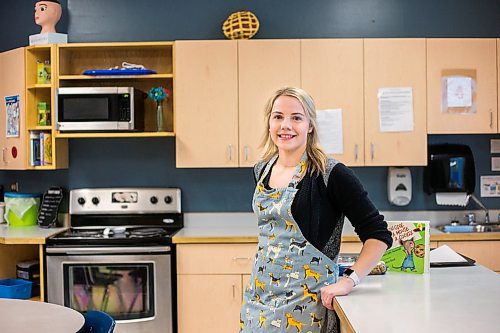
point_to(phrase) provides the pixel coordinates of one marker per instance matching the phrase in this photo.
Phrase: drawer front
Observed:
(215, 258)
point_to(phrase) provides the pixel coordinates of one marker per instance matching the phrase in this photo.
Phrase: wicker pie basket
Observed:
(241, 25)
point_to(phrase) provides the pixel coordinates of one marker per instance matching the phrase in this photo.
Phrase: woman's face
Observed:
(288, 124)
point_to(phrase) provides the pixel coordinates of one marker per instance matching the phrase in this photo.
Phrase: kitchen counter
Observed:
(223, 233)
(20, 244)
(26, 235)
(458, 299)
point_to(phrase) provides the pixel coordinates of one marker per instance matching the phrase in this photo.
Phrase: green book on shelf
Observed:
(410, 249)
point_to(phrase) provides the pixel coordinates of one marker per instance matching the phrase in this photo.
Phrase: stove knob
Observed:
(168, 199)
(95, 200)
(154, 200)
(81, 201)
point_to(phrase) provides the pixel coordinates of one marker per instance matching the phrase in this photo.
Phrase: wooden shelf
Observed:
(40, 85)
(114, 135)
(45, 47)
(116, 77)
(127, 45)
(42, 167)
(40, 128)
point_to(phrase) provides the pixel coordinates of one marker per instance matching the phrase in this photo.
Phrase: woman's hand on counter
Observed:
(342, 287)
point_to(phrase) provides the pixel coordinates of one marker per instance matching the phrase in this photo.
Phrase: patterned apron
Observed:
(288, 273)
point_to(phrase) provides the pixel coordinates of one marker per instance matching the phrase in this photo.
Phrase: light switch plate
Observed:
(495, 164)
(490, 186)
(495, 146)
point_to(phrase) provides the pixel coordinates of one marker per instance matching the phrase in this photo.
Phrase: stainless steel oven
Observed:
(119, 258)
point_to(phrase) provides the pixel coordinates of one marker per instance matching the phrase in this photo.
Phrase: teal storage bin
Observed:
(15, 288)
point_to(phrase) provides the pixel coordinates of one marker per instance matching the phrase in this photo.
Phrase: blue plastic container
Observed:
(15, 288)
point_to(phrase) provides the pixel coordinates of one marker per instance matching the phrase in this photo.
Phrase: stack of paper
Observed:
(445, 254)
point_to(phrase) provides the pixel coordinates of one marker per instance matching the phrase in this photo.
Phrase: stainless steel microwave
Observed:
(90, 109)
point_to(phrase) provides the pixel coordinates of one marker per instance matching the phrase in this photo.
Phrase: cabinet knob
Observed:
(246, 152)
(230, 152)
(356, 152)
(373, 151)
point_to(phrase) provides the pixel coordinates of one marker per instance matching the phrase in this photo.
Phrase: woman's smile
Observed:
(286, 137)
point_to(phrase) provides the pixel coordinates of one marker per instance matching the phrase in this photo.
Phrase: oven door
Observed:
(132, 284)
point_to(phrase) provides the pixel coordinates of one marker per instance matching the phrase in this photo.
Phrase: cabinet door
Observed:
(206, 103)
(264, 67)
(484, 252)
(13, 154)
(395, 63)
(332, 72)
(456, 56)
(208, 303)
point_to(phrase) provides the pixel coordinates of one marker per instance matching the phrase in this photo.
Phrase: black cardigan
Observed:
(318, 209)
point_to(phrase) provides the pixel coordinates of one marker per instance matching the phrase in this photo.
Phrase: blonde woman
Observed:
(301, 199)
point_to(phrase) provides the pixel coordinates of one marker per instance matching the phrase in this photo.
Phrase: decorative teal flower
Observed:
(158, 94)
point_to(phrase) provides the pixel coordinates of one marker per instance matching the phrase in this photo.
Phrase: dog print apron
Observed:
(288, 273)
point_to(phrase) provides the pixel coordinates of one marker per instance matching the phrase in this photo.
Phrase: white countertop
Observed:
(455, 299)
(26, 235)
(234, 227)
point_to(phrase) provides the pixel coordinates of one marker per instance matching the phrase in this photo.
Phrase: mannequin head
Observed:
(47, 14)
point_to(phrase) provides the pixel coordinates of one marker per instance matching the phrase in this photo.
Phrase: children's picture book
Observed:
(410, 248)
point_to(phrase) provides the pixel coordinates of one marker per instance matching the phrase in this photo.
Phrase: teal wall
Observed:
(151, 161)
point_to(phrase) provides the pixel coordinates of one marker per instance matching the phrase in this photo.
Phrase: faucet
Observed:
(486, 211)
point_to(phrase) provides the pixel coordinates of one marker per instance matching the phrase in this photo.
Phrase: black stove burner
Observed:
(83, 233)
(147, 232)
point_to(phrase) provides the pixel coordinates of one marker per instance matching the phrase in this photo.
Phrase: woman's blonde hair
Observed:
(314, 151)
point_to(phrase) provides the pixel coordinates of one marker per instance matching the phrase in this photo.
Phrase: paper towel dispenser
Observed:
(450, 168)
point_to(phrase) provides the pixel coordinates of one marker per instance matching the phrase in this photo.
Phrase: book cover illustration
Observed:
(410, 248)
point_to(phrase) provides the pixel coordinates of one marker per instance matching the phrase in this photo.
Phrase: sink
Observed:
(480, 227)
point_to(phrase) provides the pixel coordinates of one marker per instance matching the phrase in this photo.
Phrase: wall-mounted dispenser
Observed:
(450, 173)
(399, 186)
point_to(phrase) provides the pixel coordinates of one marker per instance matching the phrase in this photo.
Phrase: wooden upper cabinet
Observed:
(13, 148)
(472, 57)
(206, 103)
(332, 73)
(264, 67)
(395, 63)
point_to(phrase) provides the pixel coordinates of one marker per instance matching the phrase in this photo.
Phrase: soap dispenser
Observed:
(399, 186)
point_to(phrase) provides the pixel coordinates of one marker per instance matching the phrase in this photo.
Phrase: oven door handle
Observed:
(107, 250)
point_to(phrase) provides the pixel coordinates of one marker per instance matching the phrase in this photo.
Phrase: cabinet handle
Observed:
(373, 151)
(3, 155)
(240, 258)
(491, 119)
(230, 152)
(246, 152)
(234, 290)
(356, 152)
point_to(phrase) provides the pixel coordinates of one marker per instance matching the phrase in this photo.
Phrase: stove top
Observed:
(115, 233)
(108, 236)
(119, 216)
